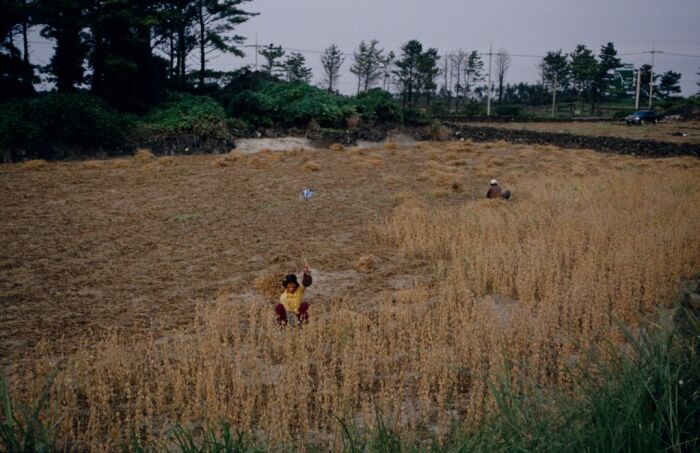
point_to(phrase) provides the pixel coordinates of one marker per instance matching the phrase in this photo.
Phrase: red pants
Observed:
(303, 314)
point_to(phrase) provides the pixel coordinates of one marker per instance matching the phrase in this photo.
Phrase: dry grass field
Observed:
(150, 282)
(665, 132)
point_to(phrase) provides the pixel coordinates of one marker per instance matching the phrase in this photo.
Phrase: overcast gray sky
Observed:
(528, 27)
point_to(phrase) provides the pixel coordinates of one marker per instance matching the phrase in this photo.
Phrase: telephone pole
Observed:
(488, 88)
(256, 52)
(651, 73)
(638, 86)
(554, 95)
(447, 87)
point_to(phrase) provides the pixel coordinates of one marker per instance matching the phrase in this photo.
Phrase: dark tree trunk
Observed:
(145, 89)
(27, 70)
(67, 60)
(181, 55)
(500, 90)
(97, 62)
(171, 68)
(202, 45)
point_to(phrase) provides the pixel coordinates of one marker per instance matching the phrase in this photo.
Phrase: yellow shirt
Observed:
(292, 301)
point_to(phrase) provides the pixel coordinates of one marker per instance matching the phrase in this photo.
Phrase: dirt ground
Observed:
(134, 244)
(98, 245)
(667, 132)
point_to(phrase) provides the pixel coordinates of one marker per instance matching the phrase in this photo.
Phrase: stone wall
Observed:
(619, 145)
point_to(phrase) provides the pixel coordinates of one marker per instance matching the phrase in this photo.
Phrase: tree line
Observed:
(127, 52)
(124, 51)
(416, 74)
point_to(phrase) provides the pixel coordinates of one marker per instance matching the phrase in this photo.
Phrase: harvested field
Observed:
(152, 282)
(665, 132)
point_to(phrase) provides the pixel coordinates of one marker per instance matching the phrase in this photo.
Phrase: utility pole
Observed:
(488, 88)
(256, 52)
(651, 74)
(554, 95)
(638, 84)
(447, 87)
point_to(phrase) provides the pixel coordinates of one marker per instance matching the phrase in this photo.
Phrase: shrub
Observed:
(183, 113)
(377, 105)
(416, 117)
(688, 109)
(38, 127)
(260, 101)
(509, 110)
(473, 108)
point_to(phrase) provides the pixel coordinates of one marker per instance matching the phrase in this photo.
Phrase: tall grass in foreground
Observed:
(24, 429)
(566, 268)
(645, 400)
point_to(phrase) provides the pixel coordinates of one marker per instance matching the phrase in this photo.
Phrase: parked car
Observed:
(642, 117)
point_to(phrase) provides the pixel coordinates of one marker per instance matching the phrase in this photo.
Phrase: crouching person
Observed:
(496, 192)
(291, 299)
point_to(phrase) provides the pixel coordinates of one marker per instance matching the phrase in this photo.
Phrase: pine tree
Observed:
(331, 61)
(64, 21)
(295, 68)
(16, 72)
(387, 65)
(502, 65)
(216, 19)
(271, 53)
(645, 80)
(458, 61)
(428, 70)
(473, 72)
(583, 67)
(555, 65)
(124, 70)
(607, 64)
(670, 83)
(367, 64)
(407, 72)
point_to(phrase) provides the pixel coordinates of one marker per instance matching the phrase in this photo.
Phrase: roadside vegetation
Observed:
(121, 72)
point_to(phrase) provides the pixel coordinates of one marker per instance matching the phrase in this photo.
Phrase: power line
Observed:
(480, 53)
(681, 54)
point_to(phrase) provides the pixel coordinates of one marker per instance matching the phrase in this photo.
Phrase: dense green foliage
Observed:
(687, 108)
(39, 125)
(257, 100)
(183, 113)
(126, 51)
(377, 105)
(268, 103)
(509, 110)
(132, 57)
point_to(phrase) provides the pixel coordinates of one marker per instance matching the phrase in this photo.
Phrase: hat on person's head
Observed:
(291, 278)
(494, 182)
